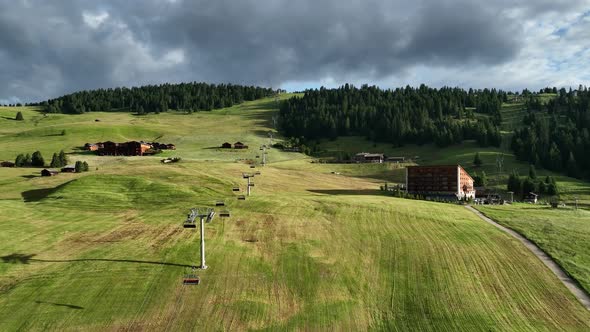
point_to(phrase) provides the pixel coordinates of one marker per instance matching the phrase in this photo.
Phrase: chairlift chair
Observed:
(191, 279)
(252, 166)
(258, 173)
(224, 214)
(251, 184)
(242, 198)
(220, 203)
(236, 189)
(190, 220)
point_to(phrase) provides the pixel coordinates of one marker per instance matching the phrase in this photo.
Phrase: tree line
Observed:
(58, 160)
(405, 115)
(556, 134)
(522, 186)
(190, 97)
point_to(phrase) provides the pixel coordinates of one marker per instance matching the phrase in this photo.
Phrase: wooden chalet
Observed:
(444, 182)
(69, 169)
(90, 147)
(365, 157)
(49, 172)
(240, 145)
(226, 145)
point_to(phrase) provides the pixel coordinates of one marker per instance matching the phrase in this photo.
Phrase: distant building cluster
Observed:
(132, 148)
(366, 157)
(237, 145)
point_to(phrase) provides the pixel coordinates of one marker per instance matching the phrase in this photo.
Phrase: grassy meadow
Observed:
(309, 250)
(562, 233)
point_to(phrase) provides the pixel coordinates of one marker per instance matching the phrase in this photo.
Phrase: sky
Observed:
(51, 48)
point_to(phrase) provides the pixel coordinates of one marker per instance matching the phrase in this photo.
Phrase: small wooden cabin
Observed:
(69, 169)
(240, 145)
(226, 145)
(49, 172)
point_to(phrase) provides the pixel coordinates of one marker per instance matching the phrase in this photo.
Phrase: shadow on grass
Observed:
(36, 195)
(71, 306)
(350, 192)
(28, 258)
(30, 176)
(9, 118)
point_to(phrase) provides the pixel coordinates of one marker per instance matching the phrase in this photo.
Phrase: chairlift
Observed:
(257, 156)
(210, 215)
(245, 176)
(257, 173)
(224, 214)
(190, 219)
(252, 166)
(241, 198)
(220, 203)
(236, 189)
(191, 279)
(251, 184)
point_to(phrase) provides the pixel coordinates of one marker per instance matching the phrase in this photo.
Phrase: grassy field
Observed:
(105, 250)
(562, 233)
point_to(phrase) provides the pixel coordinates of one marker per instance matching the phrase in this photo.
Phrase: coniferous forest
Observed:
(556, 134)
(421, 115)
(156, 98)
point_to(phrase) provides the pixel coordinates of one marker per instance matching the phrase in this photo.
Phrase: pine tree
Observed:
(37, 159)
(79, 167)
(19, 116)
(20, 160)
(55, 162)
(477, 160)
(63, 159)
(484, 179)
(85, 166)
(572, 167)
(532, 172)
(28, 160)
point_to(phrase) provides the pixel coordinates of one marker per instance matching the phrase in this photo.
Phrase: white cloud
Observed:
(94, 20)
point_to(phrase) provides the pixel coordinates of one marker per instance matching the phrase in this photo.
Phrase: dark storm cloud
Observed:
(51, 48)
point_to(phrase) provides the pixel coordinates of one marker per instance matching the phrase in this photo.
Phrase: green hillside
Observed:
(317, 246)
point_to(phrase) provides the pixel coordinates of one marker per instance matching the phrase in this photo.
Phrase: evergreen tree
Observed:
(572, 167)
(532, 172)
(19, 116)
(20, 160)
(85, 166)
(514, 183)
(55, 161)
(484, 179)
(528, 186)
(477, 160)
(79, 167)
(28, 160)
(63, 159)
(37, 159)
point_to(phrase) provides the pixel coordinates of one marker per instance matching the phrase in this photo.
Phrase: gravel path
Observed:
(570, 283)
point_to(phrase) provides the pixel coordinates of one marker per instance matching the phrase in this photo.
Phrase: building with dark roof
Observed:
(444, 181)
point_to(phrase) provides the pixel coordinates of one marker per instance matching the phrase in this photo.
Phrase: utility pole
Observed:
(511, 196)
(203, 265)
(249, 186)
(205, 215)
(576, 198)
